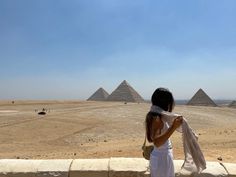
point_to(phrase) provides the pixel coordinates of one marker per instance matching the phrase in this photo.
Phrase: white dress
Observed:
(161, 160)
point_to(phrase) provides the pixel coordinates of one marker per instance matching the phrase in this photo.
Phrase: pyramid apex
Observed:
(200, 89)
(124, 82)
(125, 92)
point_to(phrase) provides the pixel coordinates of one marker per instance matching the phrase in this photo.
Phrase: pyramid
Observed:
(232, 104)
(201, 99)
(99, 95)
(124, 92)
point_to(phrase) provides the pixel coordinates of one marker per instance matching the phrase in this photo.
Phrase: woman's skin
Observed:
(157, 125)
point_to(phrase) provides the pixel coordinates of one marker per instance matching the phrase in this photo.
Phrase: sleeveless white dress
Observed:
(161, 159)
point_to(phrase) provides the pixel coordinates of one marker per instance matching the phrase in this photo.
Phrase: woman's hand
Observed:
(177, 122)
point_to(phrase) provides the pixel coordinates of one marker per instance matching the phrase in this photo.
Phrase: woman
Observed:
(158, 132)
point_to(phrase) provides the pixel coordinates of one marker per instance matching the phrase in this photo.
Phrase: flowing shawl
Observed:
(194, 159)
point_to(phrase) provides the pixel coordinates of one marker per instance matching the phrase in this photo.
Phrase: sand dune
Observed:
(81, 129)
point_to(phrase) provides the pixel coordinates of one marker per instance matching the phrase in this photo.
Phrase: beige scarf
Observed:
(194, 159)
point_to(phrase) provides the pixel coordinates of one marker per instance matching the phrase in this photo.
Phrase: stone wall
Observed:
(113, 167)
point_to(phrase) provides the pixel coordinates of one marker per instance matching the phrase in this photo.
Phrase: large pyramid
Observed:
(232, 104)
(124, 92)
(201, 99)
(99, 95)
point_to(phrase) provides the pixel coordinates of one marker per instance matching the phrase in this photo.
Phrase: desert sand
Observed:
(85, 129)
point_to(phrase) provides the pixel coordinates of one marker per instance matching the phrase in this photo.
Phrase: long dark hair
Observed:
(163, 98)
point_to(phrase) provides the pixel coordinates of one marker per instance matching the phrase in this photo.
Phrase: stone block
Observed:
(51, 168)
(214, 169)
(34, 168)
(18, 168)
(129, 167)
(89, 168)
(230, 168)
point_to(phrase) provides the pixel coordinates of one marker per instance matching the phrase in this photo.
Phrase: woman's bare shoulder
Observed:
(157, 122)
(157, 125)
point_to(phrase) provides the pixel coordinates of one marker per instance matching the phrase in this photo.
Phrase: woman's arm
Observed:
(159, 139)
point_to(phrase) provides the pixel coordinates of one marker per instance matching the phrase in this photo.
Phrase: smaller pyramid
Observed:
(232, 104)
(124, 92)
(201, 99)
(99, 95)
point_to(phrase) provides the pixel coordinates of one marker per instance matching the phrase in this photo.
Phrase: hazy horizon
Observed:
(68, 49)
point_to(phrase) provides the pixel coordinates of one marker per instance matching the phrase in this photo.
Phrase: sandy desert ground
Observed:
(81, 129)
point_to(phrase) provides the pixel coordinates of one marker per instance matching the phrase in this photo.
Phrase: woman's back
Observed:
(167, 145)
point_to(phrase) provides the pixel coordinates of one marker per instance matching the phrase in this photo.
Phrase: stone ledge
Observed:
(214, 169)
(113, 167)
(90, 168)
(231, 169)
(33, 168)
(128, 167)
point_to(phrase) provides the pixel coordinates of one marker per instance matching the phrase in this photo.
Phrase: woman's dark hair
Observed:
(148, 124)
(162, 98)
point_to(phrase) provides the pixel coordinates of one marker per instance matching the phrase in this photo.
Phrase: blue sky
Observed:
(54, 49)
